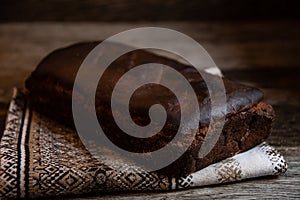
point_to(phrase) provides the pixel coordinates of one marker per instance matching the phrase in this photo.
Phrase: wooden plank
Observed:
(3, 112)
(144, 10)
(232, 45)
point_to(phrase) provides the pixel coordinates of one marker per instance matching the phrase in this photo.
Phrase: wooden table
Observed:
(262, 54)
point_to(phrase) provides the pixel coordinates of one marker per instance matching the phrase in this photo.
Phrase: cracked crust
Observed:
(241, 132)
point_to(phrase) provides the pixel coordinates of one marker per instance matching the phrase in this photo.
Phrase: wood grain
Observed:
(145, 10)
(232, 45)
(262, 54)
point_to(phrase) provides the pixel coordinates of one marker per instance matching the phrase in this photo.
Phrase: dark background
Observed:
(147, 10)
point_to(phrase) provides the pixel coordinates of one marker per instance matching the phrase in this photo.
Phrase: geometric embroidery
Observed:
(278, 163)
(40, 158)
(184, 182)
(228, 171)
(9, 158)
(56, 161)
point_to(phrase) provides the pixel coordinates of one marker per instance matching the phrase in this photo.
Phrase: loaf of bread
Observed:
(248, 119)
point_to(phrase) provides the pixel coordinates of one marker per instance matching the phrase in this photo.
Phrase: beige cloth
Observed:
(40, 158)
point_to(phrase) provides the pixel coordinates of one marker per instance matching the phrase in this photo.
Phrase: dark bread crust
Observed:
(248, 120)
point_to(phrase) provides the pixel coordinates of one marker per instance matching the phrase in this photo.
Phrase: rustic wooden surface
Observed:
(262, 54)
(146, 10)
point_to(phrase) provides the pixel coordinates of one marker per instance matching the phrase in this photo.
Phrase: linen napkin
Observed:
(41, 158)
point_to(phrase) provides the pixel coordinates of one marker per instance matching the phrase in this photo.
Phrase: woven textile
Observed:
(40, 158)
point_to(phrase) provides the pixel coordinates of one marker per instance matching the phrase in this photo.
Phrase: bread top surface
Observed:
(61, 66)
